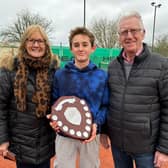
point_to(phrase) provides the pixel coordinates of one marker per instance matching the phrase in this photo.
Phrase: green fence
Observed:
(101, 56)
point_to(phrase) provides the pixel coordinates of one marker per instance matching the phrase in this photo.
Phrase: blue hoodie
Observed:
(89, 83)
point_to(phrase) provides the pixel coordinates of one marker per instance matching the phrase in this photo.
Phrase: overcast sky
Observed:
(67, 14)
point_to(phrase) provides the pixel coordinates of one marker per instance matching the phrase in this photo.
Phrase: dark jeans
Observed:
(45, 164)
(125, 160)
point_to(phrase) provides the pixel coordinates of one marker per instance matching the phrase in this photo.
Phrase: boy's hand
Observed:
(93, 134)
(53, 124)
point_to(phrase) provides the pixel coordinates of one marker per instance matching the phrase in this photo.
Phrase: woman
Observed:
(25, 89)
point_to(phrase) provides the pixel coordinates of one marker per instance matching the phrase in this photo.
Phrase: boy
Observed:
(83, 79)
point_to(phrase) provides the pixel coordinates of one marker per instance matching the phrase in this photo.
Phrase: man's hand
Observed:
(104, 140)
(53, 124)
(93, 134)
(160, 159)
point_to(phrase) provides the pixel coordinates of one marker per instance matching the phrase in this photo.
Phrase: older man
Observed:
(138, 113)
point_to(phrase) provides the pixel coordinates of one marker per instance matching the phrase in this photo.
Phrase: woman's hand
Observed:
(4, 149)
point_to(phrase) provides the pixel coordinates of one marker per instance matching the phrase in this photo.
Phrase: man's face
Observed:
(131, 35)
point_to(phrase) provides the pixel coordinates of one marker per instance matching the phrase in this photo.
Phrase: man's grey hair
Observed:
(130, 14)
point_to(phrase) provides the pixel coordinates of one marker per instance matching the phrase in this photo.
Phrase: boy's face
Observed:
(81, 48)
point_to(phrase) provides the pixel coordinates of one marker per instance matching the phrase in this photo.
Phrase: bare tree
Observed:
(25, 18)
(105, 32)
(161, 45)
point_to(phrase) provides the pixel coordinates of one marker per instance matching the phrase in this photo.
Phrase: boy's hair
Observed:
(83, 31)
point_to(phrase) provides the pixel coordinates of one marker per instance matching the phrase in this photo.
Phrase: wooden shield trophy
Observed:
(73, 117)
